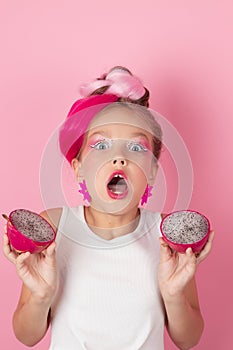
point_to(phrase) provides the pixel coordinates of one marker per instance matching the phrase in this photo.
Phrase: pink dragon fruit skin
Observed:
(197, 245)
(20, 242)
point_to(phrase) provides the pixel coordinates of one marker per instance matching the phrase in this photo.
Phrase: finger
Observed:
(50, 251)
(211, 236)
(5, 240)
(165, 250)
(8, 252)
(205, 251)
(20, 261)
(50, 254)
(186, 257)
(5, 228)
(187, 265)
(207, 248)
(6, 245)
(191, 260)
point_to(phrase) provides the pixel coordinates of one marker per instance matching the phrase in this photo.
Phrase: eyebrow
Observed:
(140, 134)
(100, 132)
(135, 134)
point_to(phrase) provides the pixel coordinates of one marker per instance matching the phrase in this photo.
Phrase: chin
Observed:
(115, 206)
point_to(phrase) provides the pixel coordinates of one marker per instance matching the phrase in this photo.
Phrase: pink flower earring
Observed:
(146, 194)
(84, 191)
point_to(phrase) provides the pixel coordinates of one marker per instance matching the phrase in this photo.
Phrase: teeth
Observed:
(117, 184)
(118, 175)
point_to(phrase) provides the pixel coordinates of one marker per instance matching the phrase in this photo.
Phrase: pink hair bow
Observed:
(121, 83)
(87, 89)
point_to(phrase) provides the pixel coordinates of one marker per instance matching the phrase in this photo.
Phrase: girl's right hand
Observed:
(37, 271)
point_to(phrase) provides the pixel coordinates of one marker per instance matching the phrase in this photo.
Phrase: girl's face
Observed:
(116, 160)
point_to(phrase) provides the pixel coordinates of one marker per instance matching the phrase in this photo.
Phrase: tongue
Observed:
(117, 185)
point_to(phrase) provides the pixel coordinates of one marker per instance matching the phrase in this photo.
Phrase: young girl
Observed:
(112, 283)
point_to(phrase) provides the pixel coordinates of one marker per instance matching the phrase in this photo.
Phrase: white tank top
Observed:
(108, 296)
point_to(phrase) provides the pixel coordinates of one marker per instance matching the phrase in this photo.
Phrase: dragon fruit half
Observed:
(28, 231)
(184, 229)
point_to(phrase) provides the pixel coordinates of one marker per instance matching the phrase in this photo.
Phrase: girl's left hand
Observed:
(177, 269)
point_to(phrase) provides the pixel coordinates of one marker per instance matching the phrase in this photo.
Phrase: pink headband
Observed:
(72, 131)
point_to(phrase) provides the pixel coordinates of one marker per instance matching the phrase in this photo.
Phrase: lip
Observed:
(118, 172)
(115, 195)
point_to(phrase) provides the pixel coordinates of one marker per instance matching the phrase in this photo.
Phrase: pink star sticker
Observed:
(84, 191)
(146, 194)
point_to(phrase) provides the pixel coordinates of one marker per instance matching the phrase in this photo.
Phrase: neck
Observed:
(109, 226)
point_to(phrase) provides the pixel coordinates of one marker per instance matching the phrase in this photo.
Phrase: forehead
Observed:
(120, 117)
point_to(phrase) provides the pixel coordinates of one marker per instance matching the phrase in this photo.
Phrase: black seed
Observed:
(185, 227)
(32, 225)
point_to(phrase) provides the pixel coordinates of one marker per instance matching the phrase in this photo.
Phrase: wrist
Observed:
(42, 299)
(177, 297)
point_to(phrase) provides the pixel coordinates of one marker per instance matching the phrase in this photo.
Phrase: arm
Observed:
(178, 288)
(38, 274)
(184, 320)
(31, 317)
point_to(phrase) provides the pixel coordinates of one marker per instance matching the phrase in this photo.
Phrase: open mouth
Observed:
(117, 186)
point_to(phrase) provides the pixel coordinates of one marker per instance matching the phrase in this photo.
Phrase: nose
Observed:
(119, 161)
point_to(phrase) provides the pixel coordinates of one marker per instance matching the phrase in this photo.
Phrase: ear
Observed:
(153, 173)
(76, 165)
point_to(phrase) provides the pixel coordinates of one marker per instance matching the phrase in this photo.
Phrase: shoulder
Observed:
(153, 214)
(53, 216)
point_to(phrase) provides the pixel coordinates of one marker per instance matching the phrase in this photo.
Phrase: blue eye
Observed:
(101, 145)
(136, 147)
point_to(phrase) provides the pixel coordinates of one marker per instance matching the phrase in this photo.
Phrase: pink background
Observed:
(183, 51)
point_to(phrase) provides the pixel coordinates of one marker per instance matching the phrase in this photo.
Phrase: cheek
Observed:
(94, 172)
(141, 181)
(142, 169)
(92, 162)
(142, 159)
(138, 181)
